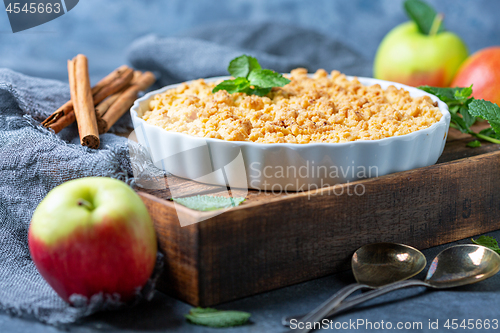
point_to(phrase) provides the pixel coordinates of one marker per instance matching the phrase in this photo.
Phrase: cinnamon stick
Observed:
(83, 104)
(114, 86)
(113, 82)
(137, 76)
(103, 107)
(111, 77)
(62, 117)
(123, 102)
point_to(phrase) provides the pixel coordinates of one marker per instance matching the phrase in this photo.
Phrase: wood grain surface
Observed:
(275, 240)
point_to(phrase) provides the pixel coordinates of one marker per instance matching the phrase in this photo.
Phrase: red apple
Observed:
(482, 70)
(91, 236)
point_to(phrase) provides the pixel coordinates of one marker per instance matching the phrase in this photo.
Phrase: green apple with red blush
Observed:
(420, 52)
(93, 236)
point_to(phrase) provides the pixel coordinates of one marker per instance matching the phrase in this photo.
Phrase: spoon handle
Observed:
(376, 293)
(326, 307)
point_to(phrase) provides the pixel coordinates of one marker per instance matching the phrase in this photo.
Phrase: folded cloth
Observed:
(206, 51)
(34, 160)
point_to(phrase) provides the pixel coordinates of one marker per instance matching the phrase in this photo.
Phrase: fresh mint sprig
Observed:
(215, 318)
(464, 111)
(250, 78)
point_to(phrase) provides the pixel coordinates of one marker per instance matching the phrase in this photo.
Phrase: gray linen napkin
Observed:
(34, 160)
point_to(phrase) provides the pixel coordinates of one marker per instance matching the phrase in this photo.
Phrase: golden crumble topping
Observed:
(321, 108)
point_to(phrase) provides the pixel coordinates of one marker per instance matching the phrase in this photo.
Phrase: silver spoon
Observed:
(455, 266)
(373, 265)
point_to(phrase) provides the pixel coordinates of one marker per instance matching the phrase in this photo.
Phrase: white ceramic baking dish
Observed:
(285, 166)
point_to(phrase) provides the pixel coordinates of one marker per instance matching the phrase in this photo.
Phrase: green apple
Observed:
(410, 57)
(91, 236)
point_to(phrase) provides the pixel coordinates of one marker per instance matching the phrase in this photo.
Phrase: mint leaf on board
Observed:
(487, 111)
(215, 318)
(266, 78)
(242, 66)
(474, 144)
(489, 242)
(206, 203)
(423, 15)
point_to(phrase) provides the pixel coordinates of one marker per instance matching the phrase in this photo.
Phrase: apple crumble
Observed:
(320, 108)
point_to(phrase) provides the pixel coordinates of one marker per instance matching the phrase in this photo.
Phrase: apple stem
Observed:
(85, 203)
(436, 24)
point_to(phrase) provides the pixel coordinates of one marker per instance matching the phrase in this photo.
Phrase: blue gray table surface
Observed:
(103, 29)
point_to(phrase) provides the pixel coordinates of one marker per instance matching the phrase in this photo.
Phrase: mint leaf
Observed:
(459, 123)
(489, 242)
(207, 202)
(215, 318)
(450, 95)
(462, 94)
(266, 78)
(474, 144)
(487, 111)
(469, 119)
(254, 64)
(228, 85)
(242, 66)
(259, 91)
(423, 15)
(240, 84)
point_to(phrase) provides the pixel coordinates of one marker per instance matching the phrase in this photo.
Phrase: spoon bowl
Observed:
(379, 264)
(461, 265)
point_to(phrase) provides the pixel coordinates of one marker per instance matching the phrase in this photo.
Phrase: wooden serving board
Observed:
(275, 240)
